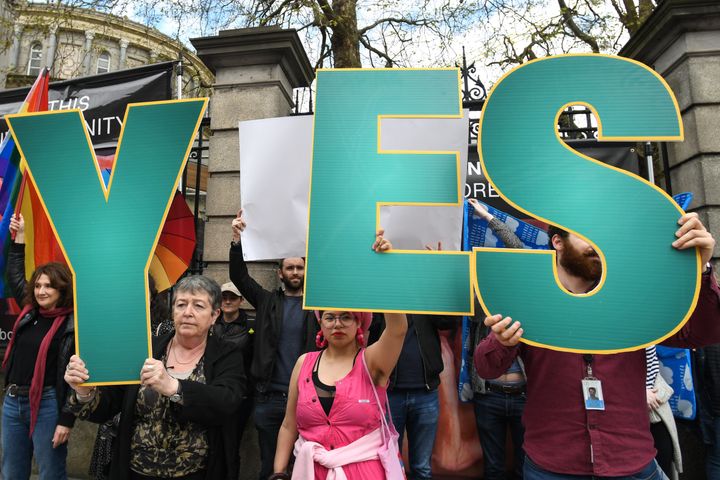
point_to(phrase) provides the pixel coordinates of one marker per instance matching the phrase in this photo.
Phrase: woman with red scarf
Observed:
(34, 420)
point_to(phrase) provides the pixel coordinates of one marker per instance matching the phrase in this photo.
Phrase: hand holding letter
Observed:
(507, 336)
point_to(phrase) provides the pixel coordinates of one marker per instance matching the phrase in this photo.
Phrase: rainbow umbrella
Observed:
(176, 245)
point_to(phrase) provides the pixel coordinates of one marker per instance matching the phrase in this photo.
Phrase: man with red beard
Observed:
(563, 436)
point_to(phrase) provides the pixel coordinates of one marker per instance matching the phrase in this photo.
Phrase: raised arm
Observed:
(16, 259)
(288, 430)
(499, 228)
(382, 356)
(239, 274)
(703, 327)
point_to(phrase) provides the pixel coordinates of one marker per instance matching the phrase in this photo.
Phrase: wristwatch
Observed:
(177, 396)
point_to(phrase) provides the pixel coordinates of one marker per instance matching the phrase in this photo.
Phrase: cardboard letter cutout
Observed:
(351, 177)
(648, 289)
(108, 235)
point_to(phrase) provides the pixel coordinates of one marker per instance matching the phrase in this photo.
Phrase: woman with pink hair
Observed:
(337, 399)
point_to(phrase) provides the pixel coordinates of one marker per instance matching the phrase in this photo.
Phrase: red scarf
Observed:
(38, 379)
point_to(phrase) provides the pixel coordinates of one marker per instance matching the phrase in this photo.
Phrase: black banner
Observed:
(102, 98)
(617, 154)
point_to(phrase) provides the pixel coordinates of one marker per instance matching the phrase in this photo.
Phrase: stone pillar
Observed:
(15, 49)
(88, 52)
(681, 41)
(255, 71)
(52, 46)
(123, 53)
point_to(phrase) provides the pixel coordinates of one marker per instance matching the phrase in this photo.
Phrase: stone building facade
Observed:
(80, 42)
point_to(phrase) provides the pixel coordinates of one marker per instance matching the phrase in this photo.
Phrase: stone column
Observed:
(15, 49)
(123, 53)
(255, 71)
(681, 41)
(88, 52)
(52, 46)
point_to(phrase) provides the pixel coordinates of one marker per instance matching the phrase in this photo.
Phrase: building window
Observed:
(103, 63)
(35, 61)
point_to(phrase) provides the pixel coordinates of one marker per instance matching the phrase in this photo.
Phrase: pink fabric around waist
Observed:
(307, 454)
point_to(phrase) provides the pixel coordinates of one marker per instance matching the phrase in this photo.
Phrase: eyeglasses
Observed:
(345, 319)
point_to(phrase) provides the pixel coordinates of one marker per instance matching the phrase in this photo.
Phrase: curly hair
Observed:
(60, 279)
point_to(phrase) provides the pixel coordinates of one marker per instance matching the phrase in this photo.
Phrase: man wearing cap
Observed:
(232, 326)
(283, 332)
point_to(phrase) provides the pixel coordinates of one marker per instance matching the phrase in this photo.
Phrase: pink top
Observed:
(354, 414)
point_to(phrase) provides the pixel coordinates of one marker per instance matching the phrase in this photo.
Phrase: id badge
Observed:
(593, 394)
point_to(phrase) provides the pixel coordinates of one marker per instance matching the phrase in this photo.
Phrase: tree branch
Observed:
(420, 22)
(570, 22)
(388, 60)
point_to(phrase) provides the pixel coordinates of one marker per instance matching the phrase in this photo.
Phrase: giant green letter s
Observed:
(109, 235)
(648, 288)
(351, 177)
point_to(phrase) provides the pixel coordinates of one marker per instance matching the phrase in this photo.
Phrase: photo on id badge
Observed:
(592, 393)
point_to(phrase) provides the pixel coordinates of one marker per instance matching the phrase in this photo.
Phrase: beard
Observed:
(292, 285)
(585, 265)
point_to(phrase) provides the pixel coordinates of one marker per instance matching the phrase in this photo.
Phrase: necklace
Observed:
(195, 353)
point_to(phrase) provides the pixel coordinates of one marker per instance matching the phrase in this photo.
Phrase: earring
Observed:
(360, 337)
(320, 341)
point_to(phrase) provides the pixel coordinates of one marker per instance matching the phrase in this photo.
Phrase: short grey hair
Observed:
(200, 283)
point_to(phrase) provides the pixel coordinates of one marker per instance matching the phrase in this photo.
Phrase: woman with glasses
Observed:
(178, 422)
(332, 402)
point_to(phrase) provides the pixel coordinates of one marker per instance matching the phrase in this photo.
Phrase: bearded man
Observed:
(283, 332)
(565, 437)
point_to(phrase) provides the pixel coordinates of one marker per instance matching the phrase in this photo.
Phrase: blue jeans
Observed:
(712, 456)
(417, 411)
(651, 472)
(18, 447)
(494, 413)
(269, 415)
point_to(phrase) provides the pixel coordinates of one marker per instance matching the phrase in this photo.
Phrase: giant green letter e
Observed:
(109, 235)
(351, 177)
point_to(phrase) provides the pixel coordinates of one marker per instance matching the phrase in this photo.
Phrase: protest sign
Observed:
(108, 235)
(277, 216)
(277, 223)
(628, 221)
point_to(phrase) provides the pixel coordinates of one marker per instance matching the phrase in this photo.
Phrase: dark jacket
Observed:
(268, 320)
(426, 329)
(16, 280)
(212, 404)
(237, 333)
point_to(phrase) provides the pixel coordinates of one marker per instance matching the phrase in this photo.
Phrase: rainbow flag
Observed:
(41, 246)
